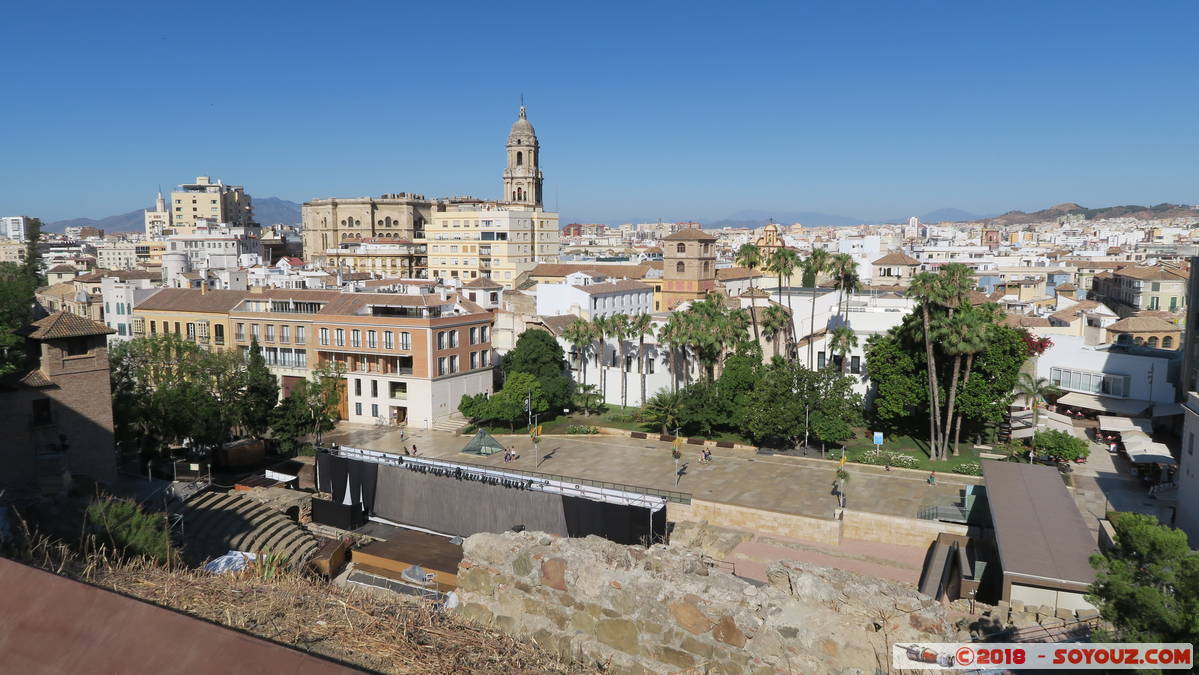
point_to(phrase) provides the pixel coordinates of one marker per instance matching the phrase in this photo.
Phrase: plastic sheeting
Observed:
(233, 561)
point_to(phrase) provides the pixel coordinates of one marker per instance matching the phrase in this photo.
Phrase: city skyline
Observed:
(677, 115)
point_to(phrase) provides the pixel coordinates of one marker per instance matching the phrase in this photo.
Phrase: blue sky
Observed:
(644, 110)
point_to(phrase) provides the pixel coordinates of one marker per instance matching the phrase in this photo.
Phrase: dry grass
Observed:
(357, 626)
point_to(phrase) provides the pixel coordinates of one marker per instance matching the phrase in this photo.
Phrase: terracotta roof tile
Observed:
(63, 325)
(691, 234)
(731, 273)
(896, 258)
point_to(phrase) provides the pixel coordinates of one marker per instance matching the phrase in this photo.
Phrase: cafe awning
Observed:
(1154, 453)
(1123, 424)
(1107, 404)
(1135, 440)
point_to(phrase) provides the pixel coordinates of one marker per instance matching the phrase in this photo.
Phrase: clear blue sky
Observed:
(644, 110)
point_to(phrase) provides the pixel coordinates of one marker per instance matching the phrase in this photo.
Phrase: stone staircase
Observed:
(451, 424)
(217, 522)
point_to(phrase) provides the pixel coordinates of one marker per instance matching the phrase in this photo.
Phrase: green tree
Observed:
(640, 327)
(1060, 445)
(620, 328)
(674, 335)
(814, 265)
(775, 407)
(742, 372)
(776, 323)
(122, 525)
(836, 409)
(985, 399)
(473, 406)
(841, 342)
(511, 404)
(901, 389)
(291, 420)
(587, 398)
(17, 286)
(926, 290)
(750, 257)
(539, 354)
(704, 409)
(581, 335)
(845, 280)
(261, 393)
(600, 328)
(664, 410)
(1147, 585)
(324, 392)
(782, 262)
(1035, 389)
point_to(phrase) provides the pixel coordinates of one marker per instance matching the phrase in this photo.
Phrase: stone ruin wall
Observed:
(663, 610)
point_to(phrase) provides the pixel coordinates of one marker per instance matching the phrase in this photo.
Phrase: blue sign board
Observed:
(878, 438)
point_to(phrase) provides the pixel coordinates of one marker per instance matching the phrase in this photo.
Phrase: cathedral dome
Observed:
(522, 128)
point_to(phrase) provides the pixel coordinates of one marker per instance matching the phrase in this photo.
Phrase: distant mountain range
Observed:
(1126, 211)
(267, 210)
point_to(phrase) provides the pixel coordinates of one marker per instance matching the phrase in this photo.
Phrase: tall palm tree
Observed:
(750, 257)
(1034, 389)
(641, 326)
(782, 262)
(619, 329)
(958, 335)
(925, 289)
(673, 334)
(815, 264)
(775, 324)
(845, 279)
(986, 317)
(957, 281)
(581, 335)
(599, 325)
(842, 341)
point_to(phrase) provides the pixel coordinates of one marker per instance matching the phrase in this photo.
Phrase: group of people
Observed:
(705, 456)
(510, 455)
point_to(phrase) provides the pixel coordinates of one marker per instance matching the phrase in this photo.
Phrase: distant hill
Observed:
(126, 222)
(1125, 211)
(275, 211)
(267, 211)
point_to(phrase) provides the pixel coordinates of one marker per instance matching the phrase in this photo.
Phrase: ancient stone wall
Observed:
(663, 610)
(816, 530)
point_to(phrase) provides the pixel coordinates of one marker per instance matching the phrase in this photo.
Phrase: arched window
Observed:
(679, 266)
(1167, 342)
(1153, 341)
(1138, 340)
(380, 223)
(707, 267)
(358, 223)
(388, 221)
(681, 248)
(520, 158)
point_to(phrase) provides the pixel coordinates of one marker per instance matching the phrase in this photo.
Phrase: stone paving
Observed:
(1105, 482)
(797, 485)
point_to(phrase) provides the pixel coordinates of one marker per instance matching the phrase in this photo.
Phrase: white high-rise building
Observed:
(13, 227)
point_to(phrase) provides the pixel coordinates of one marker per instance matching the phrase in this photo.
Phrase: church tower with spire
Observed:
(522, 178)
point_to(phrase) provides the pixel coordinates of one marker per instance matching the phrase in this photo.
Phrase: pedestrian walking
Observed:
(932, 478)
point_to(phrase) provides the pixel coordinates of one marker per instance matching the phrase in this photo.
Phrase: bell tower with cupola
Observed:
(522, 178)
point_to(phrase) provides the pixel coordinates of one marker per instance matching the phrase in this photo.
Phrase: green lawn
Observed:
(913, 447)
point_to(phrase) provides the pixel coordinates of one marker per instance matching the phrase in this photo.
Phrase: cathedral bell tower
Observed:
(522, 178)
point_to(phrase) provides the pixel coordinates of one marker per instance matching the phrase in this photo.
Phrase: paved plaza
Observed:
(796, 485)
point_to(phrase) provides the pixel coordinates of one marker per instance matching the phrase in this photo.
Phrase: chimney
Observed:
(204, 287)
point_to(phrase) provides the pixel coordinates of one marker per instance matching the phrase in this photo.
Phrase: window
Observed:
(374, 388)
(40, 414)
(441, 339)
(441, 365)
(454, 363)
(398, 389)
(299, 335)
(649, 366)
(254, 330)
(679, 267)
(474, 335)
(324, 336)
(339, 337)
(1153, 341)
(372, 339)
(388, 342)
(357, 387)
(484, 333)
(176, 328)
(241, 332)
(1167, 342)
(355, 338)
(153, 329)
(855, 365)
(820, 360)
(1090, 382)
(374, 410)
(358, 409)
(474, 360)
(680, 248)
(284, 334)
(453, 338)
(405, 340)
(270, 332)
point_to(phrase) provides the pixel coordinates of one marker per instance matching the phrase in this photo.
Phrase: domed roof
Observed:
(522, 128)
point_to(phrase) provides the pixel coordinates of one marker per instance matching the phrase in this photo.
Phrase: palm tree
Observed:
(926, 289)
(775, 323)
(782, 262)
(664, 410)
(580, 334)
(815, 264)
(619, 328)
(845, 279)
(842, 341)
(641, 326)
(749, 257)
(958, 335)
(673, 334)
(599, 325)
(985, 317)
(1034, 389)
